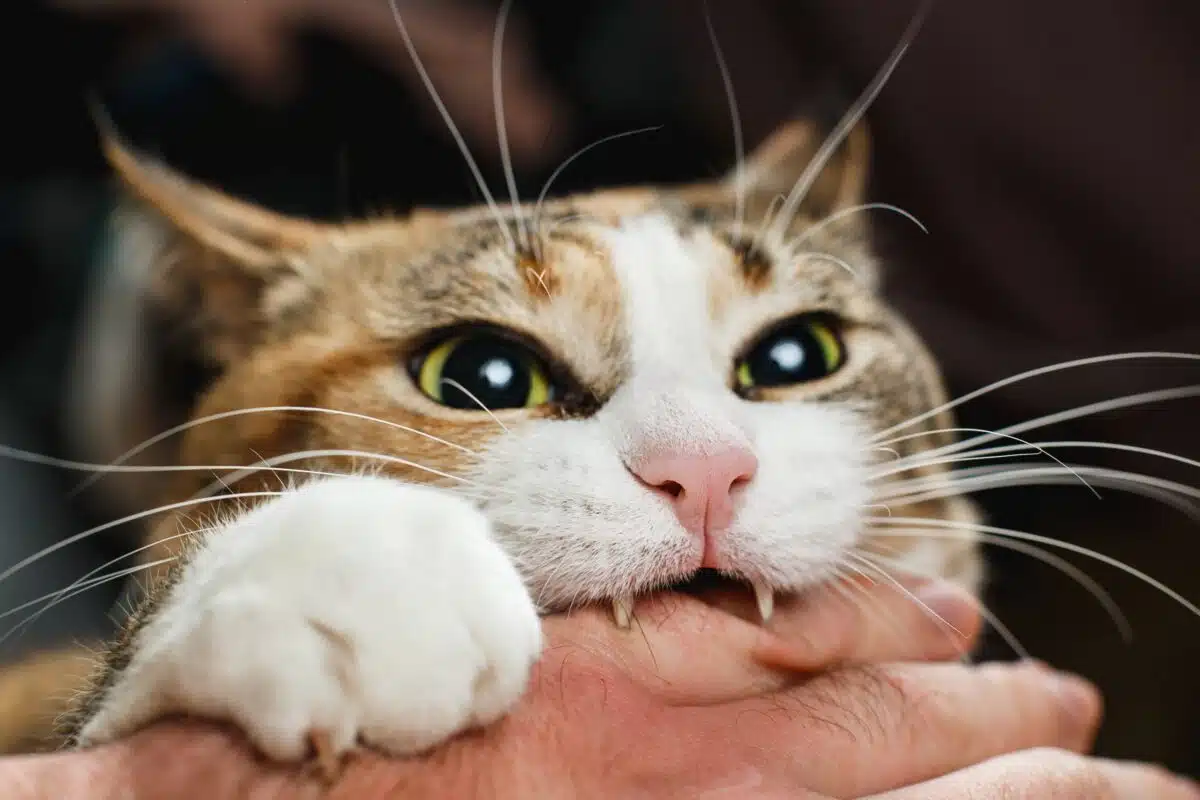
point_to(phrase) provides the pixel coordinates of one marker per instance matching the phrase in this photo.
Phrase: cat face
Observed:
(634, 385)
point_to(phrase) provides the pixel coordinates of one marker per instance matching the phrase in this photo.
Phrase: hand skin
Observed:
(683, 706)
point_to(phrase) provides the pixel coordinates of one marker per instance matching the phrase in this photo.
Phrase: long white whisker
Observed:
(501, 129)
(454, 132)
(86, 578)
(846, 124)
(975, 479)
(920, 522)
(120, 574)
(902, 466)
(988, 615)
(70, 540)
(1017, 450)
(863, 559)
(335, 453)
(845, 212)
(1033, 373)
(765, 225)
(841, 262)
(1092, 586)
(541, 198)
(739, 146)
(186, 426)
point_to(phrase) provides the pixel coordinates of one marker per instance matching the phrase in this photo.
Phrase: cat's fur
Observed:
(376, 606)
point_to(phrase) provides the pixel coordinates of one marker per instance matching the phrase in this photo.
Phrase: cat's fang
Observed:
(622, 611)
(765, 597)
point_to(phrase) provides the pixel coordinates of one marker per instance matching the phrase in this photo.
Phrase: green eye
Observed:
(802, 350)
(490, 371)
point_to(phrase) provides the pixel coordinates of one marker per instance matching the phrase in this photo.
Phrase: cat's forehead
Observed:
(603, 280)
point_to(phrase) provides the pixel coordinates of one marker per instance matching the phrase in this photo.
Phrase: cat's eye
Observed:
(487, 371)
(803, 349)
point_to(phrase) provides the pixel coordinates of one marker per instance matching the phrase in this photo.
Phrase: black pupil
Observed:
(790, 356)
(496, 372)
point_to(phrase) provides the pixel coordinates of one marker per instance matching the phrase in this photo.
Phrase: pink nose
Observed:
(701, 486)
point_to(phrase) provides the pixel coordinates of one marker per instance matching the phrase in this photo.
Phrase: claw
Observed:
(622, 611)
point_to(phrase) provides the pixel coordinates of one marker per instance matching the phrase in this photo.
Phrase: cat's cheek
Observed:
(357, 609)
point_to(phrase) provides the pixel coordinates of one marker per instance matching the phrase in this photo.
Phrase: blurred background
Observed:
(1050, 148)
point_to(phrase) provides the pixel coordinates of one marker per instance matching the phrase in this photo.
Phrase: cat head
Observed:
(635, 384)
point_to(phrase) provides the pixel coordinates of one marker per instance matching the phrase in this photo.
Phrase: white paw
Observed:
(361, 609)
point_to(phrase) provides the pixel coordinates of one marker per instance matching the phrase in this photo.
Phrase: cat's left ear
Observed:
(245, 234)
(776, 167)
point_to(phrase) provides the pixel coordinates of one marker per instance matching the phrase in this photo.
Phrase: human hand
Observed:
(681, 705)
(254, 42)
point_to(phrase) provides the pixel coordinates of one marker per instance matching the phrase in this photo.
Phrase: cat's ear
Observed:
(777, 166)
(187, 282)
(211, 264)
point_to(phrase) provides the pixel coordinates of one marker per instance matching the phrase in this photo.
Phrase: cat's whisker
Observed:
(948, 525)
(476, 401)
(851, 118)
(60, 597)
(833, 218)
(366, 455)
(841, 262)
(1089, 584)
(988, 615)
(1021, 449)
(539, 234)
(863, 559)
(930, 456)
(974, 479)
(70, 540)
(1128, 401)
(451, 127)
(87, 581)
(765, 226)
(510, 176)
(184, 427)
(739, 147)
(1023, 376)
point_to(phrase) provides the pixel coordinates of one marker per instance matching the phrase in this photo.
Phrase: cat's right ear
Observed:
(186, 283)
(794, 155)
(211, 261)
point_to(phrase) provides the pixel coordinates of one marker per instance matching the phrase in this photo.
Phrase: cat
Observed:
(492, 414)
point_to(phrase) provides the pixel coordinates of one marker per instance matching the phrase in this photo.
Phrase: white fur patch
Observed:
(359, 607)
(581, 527)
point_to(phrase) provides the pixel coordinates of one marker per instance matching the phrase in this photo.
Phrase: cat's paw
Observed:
(353, 609)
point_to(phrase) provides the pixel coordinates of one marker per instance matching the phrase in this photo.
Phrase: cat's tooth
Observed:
(622, 611)
(765, 596)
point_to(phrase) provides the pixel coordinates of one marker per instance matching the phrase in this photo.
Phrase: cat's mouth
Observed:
(750, 600)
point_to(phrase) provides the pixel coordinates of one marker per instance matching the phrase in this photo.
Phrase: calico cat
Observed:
(483, 415)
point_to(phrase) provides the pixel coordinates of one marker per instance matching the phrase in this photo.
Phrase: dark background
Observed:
(1050, 149)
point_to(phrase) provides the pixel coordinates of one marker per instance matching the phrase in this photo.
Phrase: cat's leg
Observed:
(351, 609)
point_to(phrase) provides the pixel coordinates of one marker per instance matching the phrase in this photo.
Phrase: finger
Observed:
(1038, 774)
(860, 622)
(681, 649)
(692, 653)
(866, 730)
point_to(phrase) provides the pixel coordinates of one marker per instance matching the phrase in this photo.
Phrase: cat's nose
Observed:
(700, 486)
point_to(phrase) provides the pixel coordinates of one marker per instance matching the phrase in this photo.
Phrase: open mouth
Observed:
(751, 600)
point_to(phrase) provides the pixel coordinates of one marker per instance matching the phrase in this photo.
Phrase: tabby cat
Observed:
(479, 416)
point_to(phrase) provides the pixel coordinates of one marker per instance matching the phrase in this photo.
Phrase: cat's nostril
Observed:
(673, 488)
